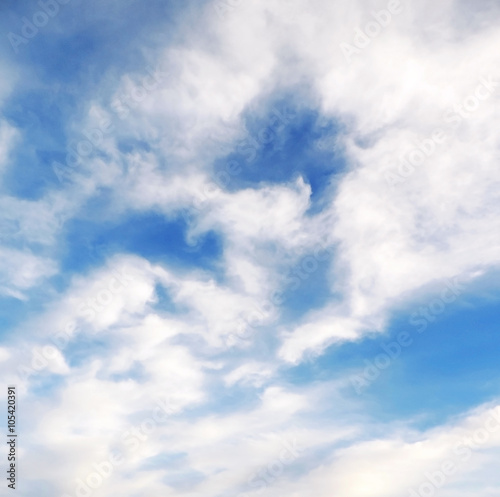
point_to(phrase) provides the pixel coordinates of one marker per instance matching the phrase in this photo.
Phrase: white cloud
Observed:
(391, 242)
(437, 224)
(21, 270)
(253, 373)
(392, 466)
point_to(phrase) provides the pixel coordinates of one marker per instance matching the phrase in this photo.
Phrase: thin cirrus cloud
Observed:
(216, 224)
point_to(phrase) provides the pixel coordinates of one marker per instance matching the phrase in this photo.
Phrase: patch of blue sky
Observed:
(11, 311)
(282, 144)
(41, 139)
(83, 348)
(90, 241)
(305, 291)
(94, 34)
(131, 145)
(46, 384)
(449, 367)
(14, 311)
(164, 302)
(452, 366)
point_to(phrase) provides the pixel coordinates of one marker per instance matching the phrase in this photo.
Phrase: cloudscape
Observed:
(250, 248)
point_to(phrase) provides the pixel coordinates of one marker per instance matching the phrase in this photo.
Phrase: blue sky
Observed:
(219, 276)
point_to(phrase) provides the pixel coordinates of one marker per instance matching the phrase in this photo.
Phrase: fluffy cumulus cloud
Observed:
(225, 227)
